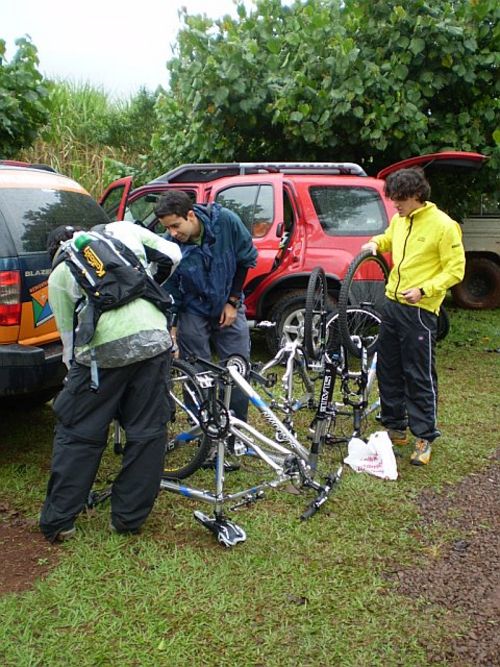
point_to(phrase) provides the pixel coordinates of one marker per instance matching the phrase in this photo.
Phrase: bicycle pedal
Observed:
(239, 448)
(228, 465)
(227, 532)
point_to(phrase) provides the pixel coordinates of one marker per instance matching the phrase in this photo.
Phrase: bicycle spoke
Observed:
(186, 446)
(361, 300)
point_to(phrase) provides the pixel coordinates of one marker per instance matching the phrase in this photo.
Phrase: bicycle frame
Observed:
(293, 356)
(292, 463)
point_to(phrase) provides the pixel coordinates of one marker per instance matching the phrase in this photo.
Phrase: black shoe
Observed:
(122, 530)
(64, 535)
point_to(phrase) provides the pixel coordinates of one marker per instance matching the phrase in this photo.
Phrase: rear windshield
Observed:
(349, 211)
(31, 214)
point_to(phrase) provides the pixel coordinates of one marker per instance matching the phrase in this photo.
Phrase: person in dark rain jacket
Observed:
(207, 288)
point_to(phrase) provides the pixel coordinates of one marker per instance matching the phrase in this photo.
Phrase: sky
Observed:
(115, 45)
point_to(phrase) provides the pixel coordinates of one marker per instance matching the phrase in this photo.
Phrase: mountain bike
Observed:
(291, 384)
(203, 421)
(287, 461)
(328, 347)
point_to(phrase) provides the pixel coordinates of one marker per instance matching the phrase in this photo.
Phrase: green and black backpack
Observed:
(111, 275)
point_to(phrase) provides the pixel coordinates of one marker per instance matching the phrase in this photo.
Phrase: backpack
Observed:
(111, 275)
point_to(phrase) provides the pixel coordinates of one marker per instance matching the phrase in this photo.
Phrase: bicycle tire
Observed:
(363, 322)
(363, 287)
(315, 314)
(443, 324)
(186, 448)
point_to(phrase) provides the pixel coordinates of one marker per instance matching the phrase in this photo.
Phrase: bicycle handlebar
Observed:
(331, 481)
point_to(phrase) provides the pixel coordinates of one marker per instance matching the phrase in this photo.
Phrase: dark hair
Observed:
(408, 183)
(59, 235)
(174, 202)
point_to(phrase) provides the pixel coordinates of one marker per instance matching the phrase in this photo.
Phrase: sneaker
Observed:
(64, 535)
(398, 438)
(422, 453)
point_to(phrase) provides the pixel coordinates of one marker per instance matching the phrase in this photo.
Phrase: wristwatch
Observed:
(422, 293)
(234, 302)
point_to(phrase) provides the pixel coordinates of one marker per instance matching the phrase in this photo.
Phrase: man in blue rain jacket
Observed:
(207, 288)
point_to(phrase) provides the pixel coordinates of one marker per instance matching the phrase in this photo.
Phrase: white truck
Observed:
(480, 287)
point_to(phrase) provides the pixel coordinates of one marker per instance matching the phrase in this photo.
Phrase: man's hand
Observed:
(412, 295)
(371, 245)
(228, 316)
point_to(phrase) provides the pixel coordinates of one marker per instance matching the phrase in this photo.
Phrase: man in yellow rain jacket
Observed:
(428, 257)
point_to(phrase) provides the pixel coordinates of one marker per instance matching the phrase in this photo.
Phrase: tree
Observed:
(23, 98)
(131, 123)
(362, 80)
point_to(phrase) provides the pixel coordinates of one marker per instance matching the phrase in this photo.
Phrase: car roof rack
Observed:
(205, 172)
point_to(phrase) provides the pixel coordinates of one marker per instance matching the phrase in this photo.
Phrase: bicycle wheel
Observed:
(443, 324)
(315, 314)
(363, 288)
(363, 324)
(187, 447)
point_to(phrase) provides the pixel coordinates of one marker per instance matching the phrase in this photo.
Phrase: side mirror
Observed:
(279, 229)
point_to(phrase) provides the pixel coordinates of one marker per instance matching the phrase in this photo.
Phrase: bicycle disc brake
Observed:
(214, 419)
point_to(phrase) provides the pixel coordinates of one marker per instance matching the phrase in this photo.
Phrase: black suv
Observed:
(32, 202)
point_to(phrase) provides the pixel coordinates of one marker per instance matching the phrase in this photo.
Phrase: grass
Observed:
(295, 593)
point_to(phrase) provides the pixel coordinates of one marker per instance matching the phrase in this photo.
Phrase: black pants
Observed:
(136, 395)
(406, 370)
(196, 333)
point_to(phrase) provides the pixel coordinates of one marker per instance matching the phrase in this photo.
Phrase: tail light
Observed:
(10, 298)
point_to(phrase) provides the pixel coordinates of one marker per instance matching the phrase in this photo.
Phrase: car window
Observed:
(6, 247)
(113, 201)
(31, 214)
(141, 210)
(349, 211)
(253, 203)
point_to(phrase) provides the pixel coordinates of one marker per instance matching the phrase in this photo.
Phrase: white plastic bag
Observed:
(375, 456)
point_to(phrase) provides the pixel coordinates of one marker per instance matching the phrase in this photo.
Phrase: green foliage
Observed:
(90, 137)
(296, 593)
(23, 98)
(360, 80)
(133, 122)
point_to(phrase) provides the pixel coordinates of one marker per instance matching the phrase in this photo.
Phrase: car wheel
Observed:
(480, 288)
(288, 314)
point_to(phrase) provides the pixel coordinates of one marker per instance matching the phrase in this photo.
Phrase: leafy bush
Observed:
(371, 82)
(23, 98)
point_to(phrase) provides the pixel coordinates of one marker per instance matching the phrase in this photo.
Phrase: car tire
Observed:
(288, 315)
(480, 288)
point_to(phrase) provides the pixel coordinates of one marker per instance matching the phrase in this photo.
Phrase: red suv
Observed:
(300, 216)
